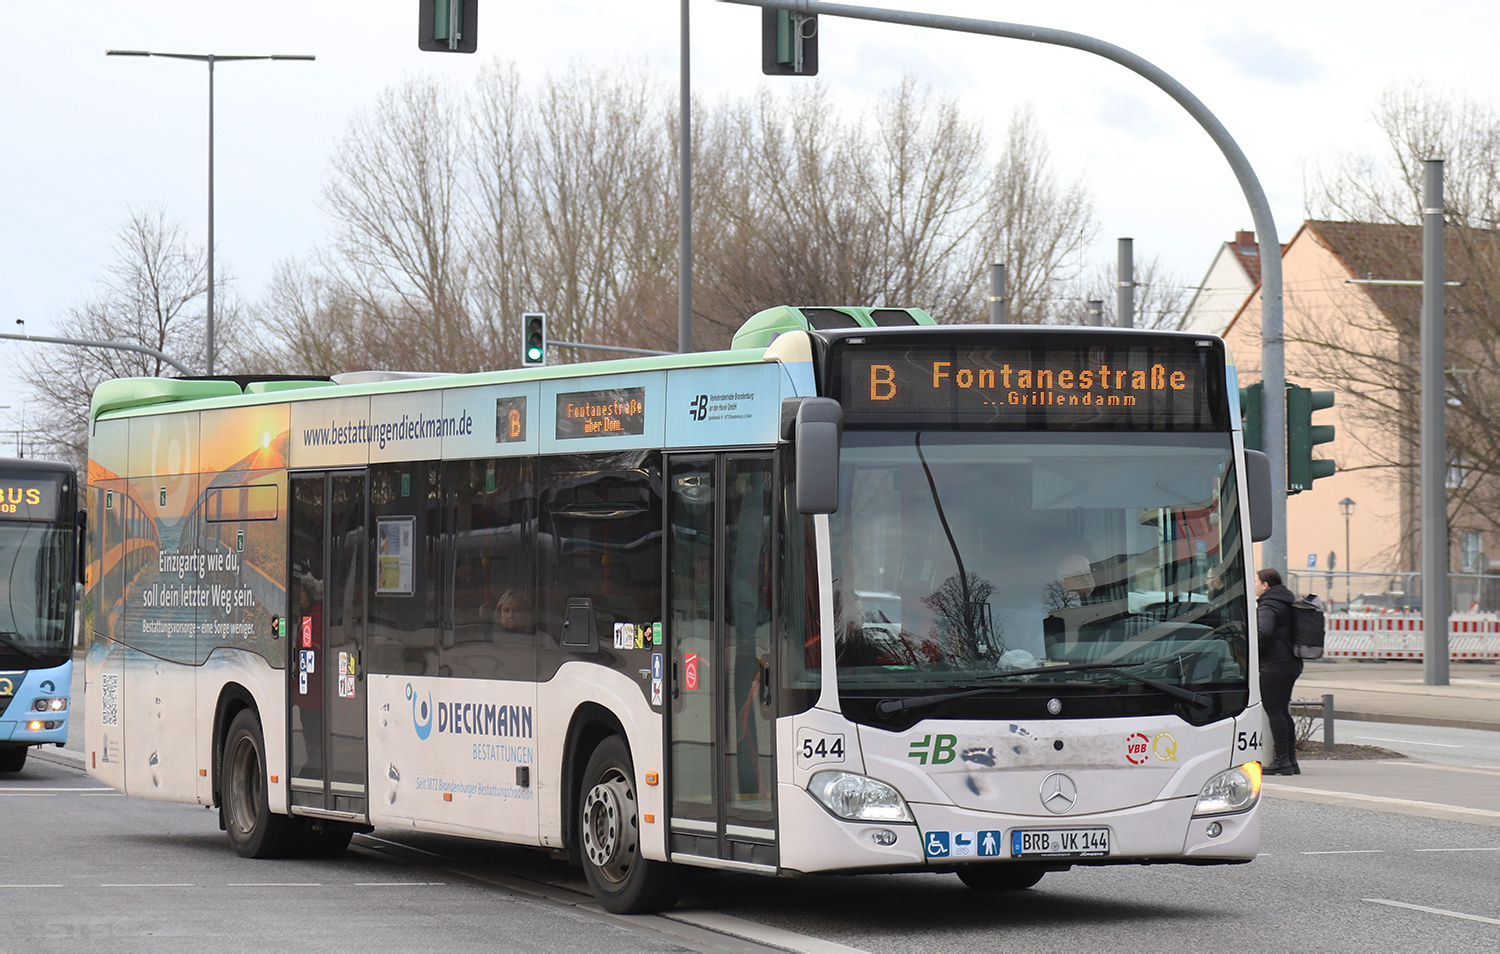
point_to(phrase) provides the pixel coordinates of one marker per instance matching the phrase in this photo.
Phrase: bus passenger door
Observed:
(325, 663)
(721, 733)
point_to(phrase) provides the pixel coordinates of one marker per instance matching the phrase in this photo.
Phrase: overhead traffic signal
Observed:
(788, 43)
(448, 26)
(533, 339)
(1250, 415)
(1302, 435)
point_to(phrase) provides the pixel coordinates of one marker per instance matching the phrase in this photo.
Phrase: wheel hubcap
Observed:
(244, 790)
(609, 826)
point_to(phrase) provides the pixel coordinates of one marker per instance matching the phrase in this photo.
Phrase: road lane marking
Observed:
(1348, 851)
(761, 933)
(30, 886)
(400, 884)
(1456, 849)
(1376, 738)
(1424, 908)
(48, 788)
(274, 884)
(148, 886)
(1407, 805)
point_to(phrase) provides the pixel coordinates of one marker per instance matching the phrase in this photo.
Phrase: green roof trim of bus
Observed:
(763, 326)
(269, 387)
(130, 397)
(126, 393)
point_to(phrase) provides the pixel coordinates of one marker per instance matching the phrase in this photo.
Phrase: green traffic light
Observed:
(1302, 435)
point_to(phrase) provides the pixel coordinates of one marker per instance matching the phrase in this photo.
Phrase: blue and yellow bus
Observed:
(859, 594)
(39, 538)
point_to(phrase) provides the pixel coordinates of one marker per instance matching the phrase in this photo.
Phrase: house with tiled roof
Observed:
(1351, 308)
(1231, 278)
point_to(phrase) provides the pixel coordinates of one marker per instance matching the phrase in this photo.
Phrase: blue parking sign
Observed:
(1312, 561)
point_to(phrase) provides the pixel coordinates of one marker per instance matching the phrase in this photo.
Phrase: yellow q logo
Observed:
(1164, 747)
(7, 688)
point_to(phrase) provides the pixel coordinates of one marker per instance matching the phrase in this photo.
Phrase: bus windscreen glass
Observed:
(1112, 383)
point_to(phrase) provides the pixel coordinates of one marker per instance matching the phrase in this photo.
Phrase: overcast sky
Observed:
(87, 137)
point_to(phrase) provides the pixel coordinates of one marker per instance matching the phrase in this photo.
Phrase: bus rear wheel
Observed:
(13, 758)
(254, 830)
(1000, 877)
(609, 820)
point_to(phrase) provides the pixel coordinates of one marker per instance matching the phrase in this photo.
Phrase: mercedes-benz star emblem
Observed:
(1054, 706)
(1059, 793)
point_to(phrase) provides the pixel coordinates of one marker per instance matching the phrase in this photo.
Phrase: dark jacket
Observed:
(1273, 622)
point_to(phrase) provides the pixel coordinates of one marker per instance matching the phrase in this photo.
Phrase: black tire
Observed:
(13, 758)
(329, 841)
(254, 831)
(609, 837)
(1000, 877)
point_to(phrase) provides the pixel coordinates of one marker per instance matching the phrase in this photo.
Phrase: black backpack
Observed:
(1307, 627)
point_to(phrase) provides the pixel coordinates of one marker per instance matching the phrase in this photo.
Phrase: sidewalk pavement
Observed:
(1394, 691)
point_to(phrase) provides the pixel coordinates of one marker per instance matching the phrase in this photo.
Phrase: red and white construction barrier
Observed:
(1375, 636)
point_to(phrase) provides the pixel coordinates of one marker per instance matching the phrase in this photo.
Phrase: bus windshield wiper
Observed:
(1197, 700)
(19, 647)
(887, 707)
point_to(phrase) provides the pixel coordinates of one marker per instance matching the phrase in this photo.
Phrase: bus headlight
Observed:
(50, 705)
(858, 797)
(1232, 790)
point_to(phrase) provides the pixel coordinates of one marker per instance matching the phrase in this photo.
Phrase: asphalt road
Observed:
(93, 868)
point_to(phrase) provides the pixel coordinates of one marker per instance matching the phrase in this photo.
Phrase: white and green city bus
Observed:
(861, 594)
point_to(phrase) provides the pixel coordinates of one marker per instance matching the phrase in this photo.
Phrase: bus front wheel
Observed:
(12, 758)
(609, 820)
(1001, 877)
(254, 830)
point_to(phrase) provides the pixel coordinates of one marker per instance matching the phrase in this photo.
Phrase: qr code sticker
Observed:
(110, 698)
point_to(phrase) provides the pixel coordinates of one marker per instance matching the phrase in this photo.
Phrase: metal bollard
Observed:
(1327, 722)
(1327, 706)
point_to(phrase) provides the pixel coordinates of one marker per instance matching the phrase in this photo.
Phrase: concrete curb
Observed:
(1357, 716)
(51, 753)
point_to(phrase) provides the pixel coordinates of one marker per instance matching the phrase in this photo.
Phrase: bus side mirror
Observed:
(1258, 483)
(820, 426)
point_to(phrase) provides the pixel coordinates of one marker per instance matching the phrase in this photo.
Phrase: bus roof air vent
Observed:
(763, 327)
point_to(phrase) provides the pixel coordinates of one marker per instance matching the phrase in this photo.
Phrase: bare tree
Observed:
(153, 295)
(1037, 227)
(1160, 297)
(395, 195)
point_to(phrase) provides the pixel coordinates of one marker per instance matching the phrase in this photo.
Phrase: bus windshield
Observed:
(959, 556)
(36, 579)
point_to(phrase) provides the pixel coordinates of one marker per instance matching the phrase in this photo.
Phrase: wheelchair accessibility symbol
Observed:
(938, 844)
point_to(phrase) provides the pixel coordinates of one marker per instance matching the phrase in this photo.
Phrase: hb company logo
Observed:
(421, 713)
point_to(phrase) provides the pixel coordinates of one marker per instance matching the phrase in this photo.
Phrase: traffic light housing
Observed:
(1302, 435)
(448, 26)
(1250, 415)
(788, 43)
(533, 340)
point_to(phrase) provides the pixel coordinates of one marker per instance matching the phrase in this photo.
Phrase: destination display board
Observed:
(29, 499)
(1163, 384)
(607, 413)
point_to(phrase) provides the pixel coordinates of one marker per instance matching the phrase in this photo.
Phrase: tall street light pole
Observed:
(1346, 507)
(210, 59)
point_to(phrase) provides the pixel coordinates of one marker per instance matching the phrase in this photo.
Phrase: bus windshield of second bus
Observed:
(1101, 550)
(37, 574)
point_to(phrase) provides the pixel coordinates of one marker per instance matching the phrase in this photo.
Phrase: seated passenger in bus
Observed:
(512, 612)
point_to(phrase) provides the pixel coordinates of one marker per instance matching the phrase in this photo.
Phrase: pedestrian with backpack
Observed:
(1279, 667)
